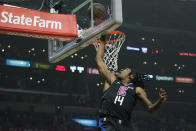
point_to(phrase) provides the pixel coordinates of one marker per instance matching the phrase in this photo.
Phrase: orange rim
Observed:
(112, 41)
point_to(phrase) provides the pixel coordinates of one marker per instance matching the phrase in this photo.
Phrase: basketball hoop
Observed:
(112, 48)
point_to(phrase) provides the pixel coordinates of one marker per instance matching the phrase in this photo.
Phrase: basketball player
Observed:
(120, 96)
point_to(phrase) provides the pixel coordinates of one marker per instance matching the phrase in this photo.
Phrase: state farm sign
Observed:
(35, 21)
(38, 24)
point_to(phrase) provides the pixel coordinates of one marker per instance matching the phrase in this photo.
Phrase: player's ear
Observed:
(131, 76)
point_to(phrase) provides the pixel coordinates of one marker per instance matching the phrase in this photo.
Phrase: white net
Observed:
(112, 48)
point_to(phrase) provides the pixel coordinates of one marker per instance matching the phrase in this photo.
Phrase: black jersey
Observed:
(118, 101)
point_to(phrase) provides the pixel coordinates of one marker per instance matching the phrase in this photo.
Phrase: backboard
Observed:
(88, 30)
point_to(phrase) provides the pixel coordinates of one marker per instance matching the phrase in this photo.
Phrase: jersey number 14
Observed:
(120, 95)
(119, 99)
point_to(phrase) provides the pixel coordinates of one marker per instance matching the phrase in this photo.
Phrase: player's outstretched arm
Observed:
(151, 108)
(104, 72)
(106, 85)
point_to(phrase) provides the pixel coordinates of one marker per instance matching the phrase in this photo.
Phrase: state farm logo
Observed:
(36, 21)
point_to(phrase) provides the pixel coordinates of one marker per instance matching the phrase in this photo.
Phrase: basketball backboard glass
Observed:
(88, 29)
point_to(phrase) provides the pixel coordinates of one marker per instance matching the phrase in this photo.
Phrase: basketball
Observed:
(98, 11)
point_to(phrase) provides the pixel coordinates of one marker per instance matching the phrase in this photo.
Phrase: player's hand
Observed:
(104, 37)
(162, 95)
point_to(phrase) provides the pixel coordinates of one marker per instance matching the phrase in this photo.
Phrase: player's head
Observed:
(125, 74)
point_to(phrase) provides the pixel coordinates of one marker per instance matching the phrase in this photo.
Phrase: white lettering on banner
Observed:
(164, 78)
(5, 18)
(27, 21)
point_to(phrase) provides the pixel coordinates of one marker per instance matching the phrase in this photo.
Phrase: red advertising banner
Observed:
(184, 80)
(37, 24)
(187, 54)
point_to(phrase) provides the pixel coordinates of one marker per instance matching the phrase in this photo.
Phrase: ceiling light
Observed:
(145, 62)
(30, 78)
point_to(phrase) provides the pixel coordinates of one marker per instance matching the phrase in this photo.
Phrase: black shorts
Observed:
(112, 124)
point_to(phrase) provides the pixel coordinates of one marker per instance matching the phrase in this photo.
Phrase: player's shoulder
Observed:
(116, 82)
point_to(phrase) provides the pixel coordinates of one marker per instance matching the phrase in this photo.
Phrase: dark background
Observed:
(52, 98)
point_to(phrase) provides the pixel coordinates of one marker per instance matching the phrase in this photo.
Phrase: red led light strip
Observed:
(187, 54)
